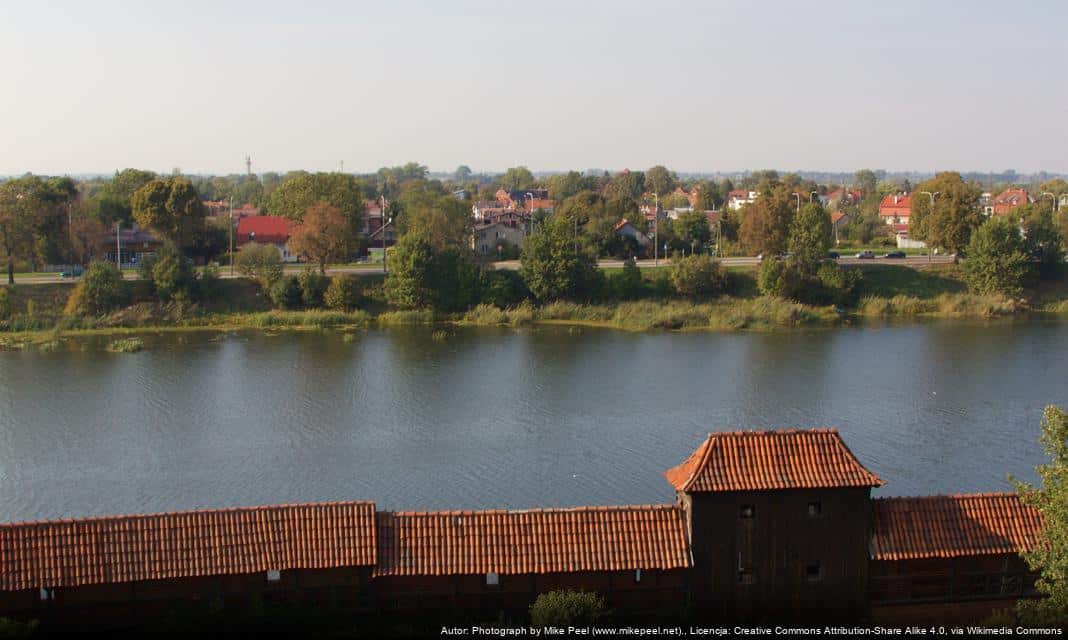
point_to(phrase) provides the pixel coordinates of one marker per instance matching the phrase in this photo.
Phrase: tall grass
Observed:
(315, 318)
(408, 316)
(126, 345)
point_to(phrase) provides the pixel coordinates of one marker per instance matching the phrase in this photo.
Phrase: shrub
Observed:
(173, 276)
(259, 261)
(126, 345)
(343, 293)
(997, 260)
(486, 314)
(698, 276)
(779, 278)
(627, 285)
(567, 609)
(837, 285)
(101, 290)
(5, 303)
(503, 288)
(285, 293)
(312, 287)
(209, 286)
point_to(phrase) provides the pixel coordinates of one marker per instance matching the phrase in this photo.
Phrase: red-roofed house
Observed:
(752, 495)
(896, 209)
(626, 228)
(273, 230)
(1009, 199)
(738, 198)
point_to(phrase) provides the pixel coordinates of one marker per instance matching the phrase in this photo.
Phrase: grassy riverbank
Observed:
(36, 311)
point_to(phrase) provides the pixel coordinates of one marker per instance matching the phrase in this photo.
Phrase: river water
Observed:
(501, 418)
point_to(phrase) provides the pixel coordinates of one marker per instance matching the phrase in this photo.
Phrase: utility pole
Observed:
(118, 246)
(248, 166)
(656, 229)
(231, 236)
(383, 229)
(70, 230)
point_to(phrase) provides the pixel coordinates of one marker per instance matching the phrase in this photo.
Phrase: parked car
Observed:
(865, 255)
(895, 255)
(833, 255)
(75, 272)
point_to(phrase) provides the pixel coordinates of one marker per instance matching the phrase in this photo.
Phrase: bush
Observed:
(285, 293)
(627, 285)
(997, 260)
(312, 287)
(259, 261)
(486, 314)
(343, 293)
(101, 290)
(5, 303)
(126, 345)
(173, 277)
(567, 609)
(209, 286)
(503, 288)
(698, 276)
(836, 285)
(779, 278)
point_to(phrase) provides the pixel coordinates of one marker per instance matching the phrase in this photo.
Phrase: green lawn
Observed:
(888, 281)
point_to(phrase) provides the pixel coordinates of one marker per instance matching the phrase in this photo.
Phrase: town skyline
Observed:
(827, 87)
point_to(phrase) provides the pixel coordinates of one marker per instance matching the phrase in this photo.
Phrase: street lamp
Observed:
(656, 228)
(798, 196)
(812, 193)
(1053, 197)
(531, 196)
(932, 195)
(231, 236)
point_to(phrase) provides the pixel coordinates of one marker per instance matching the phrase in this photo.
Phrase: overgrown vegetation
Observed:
(567, 609)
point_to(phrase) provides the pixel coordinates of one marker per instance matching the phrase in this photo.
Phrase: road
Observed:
(910, 261)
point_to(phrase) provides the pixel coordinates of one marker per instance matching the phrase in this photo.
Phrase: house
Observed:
(651, 211)
(516, 198)
(779, 524)
(542, 204)
(841, 197)
(1008, 200)
(272, 230)
(738, 198)
(766, 526)
(627, 229)
(134, 244)
(372, 223)
(896, 209)
(495, 238)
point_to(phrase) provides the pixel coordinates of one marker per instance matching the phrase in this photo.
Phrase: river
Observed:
(501, 418)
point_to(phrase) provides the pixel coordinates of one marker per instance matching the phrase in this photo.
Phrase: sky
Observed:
(91, 87)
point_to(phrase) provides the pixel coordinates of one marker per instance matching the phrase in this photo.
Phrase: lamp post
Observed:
(531, 196)
(932, 195)
(383, 230)
(798, 196)
(812, 193)
(231, 236)
(656, 229)
(1052, 197)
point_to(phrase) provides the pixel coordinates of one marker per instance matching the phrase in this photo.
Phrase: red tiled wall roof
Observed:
(69, 553)
(267, 228)
(952, 526)
(764, 460)
(536, 541)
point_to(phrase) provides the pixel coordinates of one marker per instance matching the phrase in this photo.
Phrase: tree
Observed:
(344, 293)
(565, 185)
(997, 261)
(428, 274)
(170, 207)
(517, 179)
(555, 266)
(810, 237)
(462, 173)
(111, 203)
(766, 223)
(32, 220)
(698, 276)
(429, 211)
(1042, 238)
(173, 277)
(313, 287)
(101, 290)
(299, 191)
(660, 181)
(259, 261)
(326, 235)
(709, 195)
(1049, 557)
(285, 292)
(567, 609)
(692, 229)
(866, 181)
(955, 215)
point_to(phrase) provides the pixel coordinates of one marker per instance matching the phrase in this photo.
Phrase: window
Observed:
(747, 512)
(814, 509)
(47, 594)
(274, 575)
(492, 579)
(813, 572)
(637, 575)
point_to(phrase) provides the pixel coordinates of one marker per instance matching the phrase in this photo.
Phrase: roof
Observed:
(1009, 199)
(952, 526)
(763, 460)
(264, 229)
(837, 216)
(535, 541)
(892, 205)
(70, 553)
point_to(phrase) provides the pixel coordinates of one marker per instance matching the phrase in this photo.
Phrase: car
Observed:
(833, 255)
(71, 273)
(760, 257)
(865, 255)
(895, 255)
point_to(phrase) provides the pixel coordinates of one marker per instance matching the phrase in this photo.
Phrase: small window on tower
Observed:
(814, 509)
(493, 579)
(747, 512)
(637, 575)
(274, 575)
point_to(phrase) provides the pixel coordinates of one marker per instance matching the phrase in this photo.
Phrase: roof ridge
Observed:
(582, 509)
(936, 496)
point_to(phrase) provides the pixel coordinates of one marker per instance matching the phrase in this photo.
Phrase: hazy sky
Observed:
(698, 86)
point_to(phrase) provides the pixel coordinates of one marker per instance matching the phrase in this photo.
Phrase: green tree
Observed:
(426, 210)
(811, 235)
(555, 266)
(462, 174)
(565, 185)
(698, 276)
(285, 292)
(170, 207)
(428, 274)
(866, 181)
(692, 229)
(997, 260)
(766, 222)
(300, 191)
(172, 276)
(516, 179)
(344, 293)
(326, 235)
(1042, 238)
(259, 261)
(779, 278)
(313, 287)
(627, 284)
(955, 215)
(567, 609)
(101, 290)
(660, 181)
(112, 202)
(1049, 557)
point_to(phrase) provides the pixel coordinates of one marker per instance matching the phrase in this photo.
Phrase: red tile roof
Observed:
(952, 526)
(763, 460)
(896, 205)
(535, 541)
(837, 216)
(273, 229)
(70, 553)
(1009, 199)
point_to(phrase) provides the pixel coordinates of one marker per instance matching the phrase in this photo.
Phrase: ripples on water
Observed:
(504, 419)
